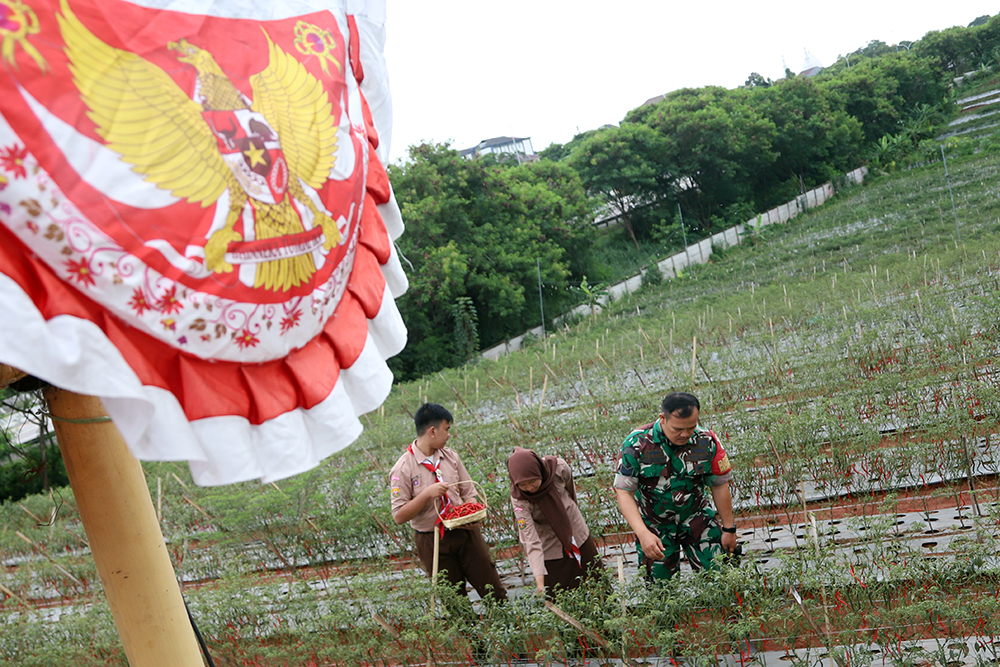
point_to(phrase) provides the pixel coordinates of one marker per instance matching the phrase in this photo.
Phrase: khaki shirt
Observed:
(537, 536)
(408, 478)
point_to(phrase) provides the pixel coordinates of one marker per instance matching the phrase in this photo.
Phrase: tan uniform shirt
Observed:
(537, 536)
(408, 478)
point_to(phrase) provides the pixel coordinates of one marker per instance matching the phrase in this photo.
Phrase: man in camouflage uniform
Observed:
(664, 469)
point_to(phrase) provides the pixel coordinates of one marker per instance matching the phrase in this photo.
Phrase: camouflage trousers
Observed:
(700, 537)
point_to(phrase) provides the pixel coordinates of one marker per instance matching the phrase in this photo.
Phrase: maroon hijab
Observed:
(524, 465)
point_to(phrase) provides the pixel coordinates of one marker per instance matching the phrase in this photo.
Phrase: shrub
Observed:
(652, 276)
(22, 476)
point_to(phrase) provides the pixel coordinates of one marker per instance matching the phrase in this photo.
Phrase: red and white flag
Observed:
(195, 221)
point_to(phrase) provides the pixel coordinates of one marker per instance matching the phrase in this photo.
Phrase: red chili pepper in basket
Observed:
(463, 510)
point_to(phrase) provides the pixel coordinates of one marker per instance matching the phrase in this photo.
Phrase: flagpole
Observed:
(124, 534)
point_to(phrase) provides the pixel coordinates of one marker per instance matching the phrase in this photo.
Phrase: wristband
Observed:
(729, 530)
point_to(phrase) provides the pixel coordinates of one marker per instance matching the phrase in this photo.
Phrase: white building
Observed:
(510, 145)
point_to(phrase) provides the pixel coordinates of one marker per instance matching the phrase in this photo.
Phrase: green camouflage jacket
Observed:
(669, 480)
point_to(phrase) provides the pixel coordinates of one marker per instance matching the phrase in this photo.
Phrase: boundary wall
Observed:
(697, 253)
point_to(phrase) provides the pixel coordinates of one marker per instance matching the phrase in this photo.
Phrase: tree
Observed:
(873, 49)
(986, 36)
(881, 92)
(558, 152)
(627, 167)
(475, 231)
(951, 50)
(813, 140)
(717, 142)
(755, 80)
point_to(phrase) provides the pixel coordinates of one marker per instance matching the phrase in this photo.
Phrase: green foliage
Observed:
(815, 138)
(718, 143)
(21, 475)
(808, 344)
(888, 151)
(755, 80)
(878, 91)
(557, 152)
(864, 313)
(591, 295)
(475, 228)
(953, 50)
(466, 329)
(476, 231)
(652, 277)
(757, 232)
(626, 166)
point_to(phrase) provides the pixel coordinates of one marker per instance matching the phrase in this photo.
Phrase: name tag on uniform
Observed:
(701, 451)
(653, 457)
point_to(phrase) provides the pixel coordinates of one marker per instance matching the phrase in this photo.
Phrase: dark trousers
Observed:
(464, 556)
(564, 572)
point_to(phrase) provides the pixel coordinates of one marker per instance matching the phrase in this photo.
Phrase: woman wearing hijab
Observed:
(551, 529)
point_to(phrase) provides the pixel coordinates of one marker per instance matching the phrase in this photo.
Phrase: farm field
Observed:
(846, 359)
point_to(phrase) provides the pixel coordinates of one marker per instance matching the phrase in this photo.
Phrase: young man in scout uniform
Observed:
(425, 479)
(660, 488)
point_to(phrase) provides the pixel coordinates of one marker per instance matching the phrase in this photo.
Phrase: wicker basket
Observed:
(468, 518)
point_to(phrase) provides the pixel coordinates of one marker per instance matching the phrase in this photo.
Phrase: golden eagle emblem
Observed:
(259, 157)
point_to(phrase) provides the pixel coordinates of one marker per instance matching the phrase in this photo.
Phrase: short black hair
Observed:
(430, 414)
(681, 403)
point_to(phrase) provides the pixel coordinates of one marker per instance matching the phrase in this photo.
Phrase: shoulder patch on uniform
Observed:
(394, 478)
(723, 465)
(395, 491)
(521, 523)
(518, 509)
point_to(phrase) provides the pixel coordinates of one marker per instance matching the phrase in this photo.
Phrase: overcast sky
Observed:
(464, 71)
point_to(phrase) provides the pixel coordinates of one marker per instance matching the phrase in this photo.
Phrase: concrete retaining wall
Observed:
(699, 252)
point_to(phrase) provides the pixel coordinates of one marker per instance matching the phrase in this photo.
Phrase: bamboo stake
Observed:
(11, 594)
(694, 361)
(48, 557)
(575, 623)
(434, 569)
(124, 535)
(385, 626)
(621, 584)
(822, 592)
(180, 481)
(541, 400)
(459, 396)
(195, 505)
(31, 514)
(395, 634)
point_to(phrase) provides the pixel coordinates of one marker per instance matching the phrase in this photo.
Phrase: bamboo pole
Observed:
(694, 361)
(621, 587)
(125, 538)
(434, 568)
(593, 636)
(9, 375)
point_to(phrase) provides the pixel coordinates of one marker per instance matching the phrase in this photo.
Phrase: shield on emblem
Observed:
(252, 151)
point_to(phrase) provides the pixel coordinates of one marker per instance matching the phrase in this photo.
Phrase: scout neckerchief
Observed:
(524, 465)
(436, 469)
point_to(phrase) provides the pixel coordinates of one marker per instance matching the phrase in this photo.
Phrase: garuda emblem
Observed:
(262, 158)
